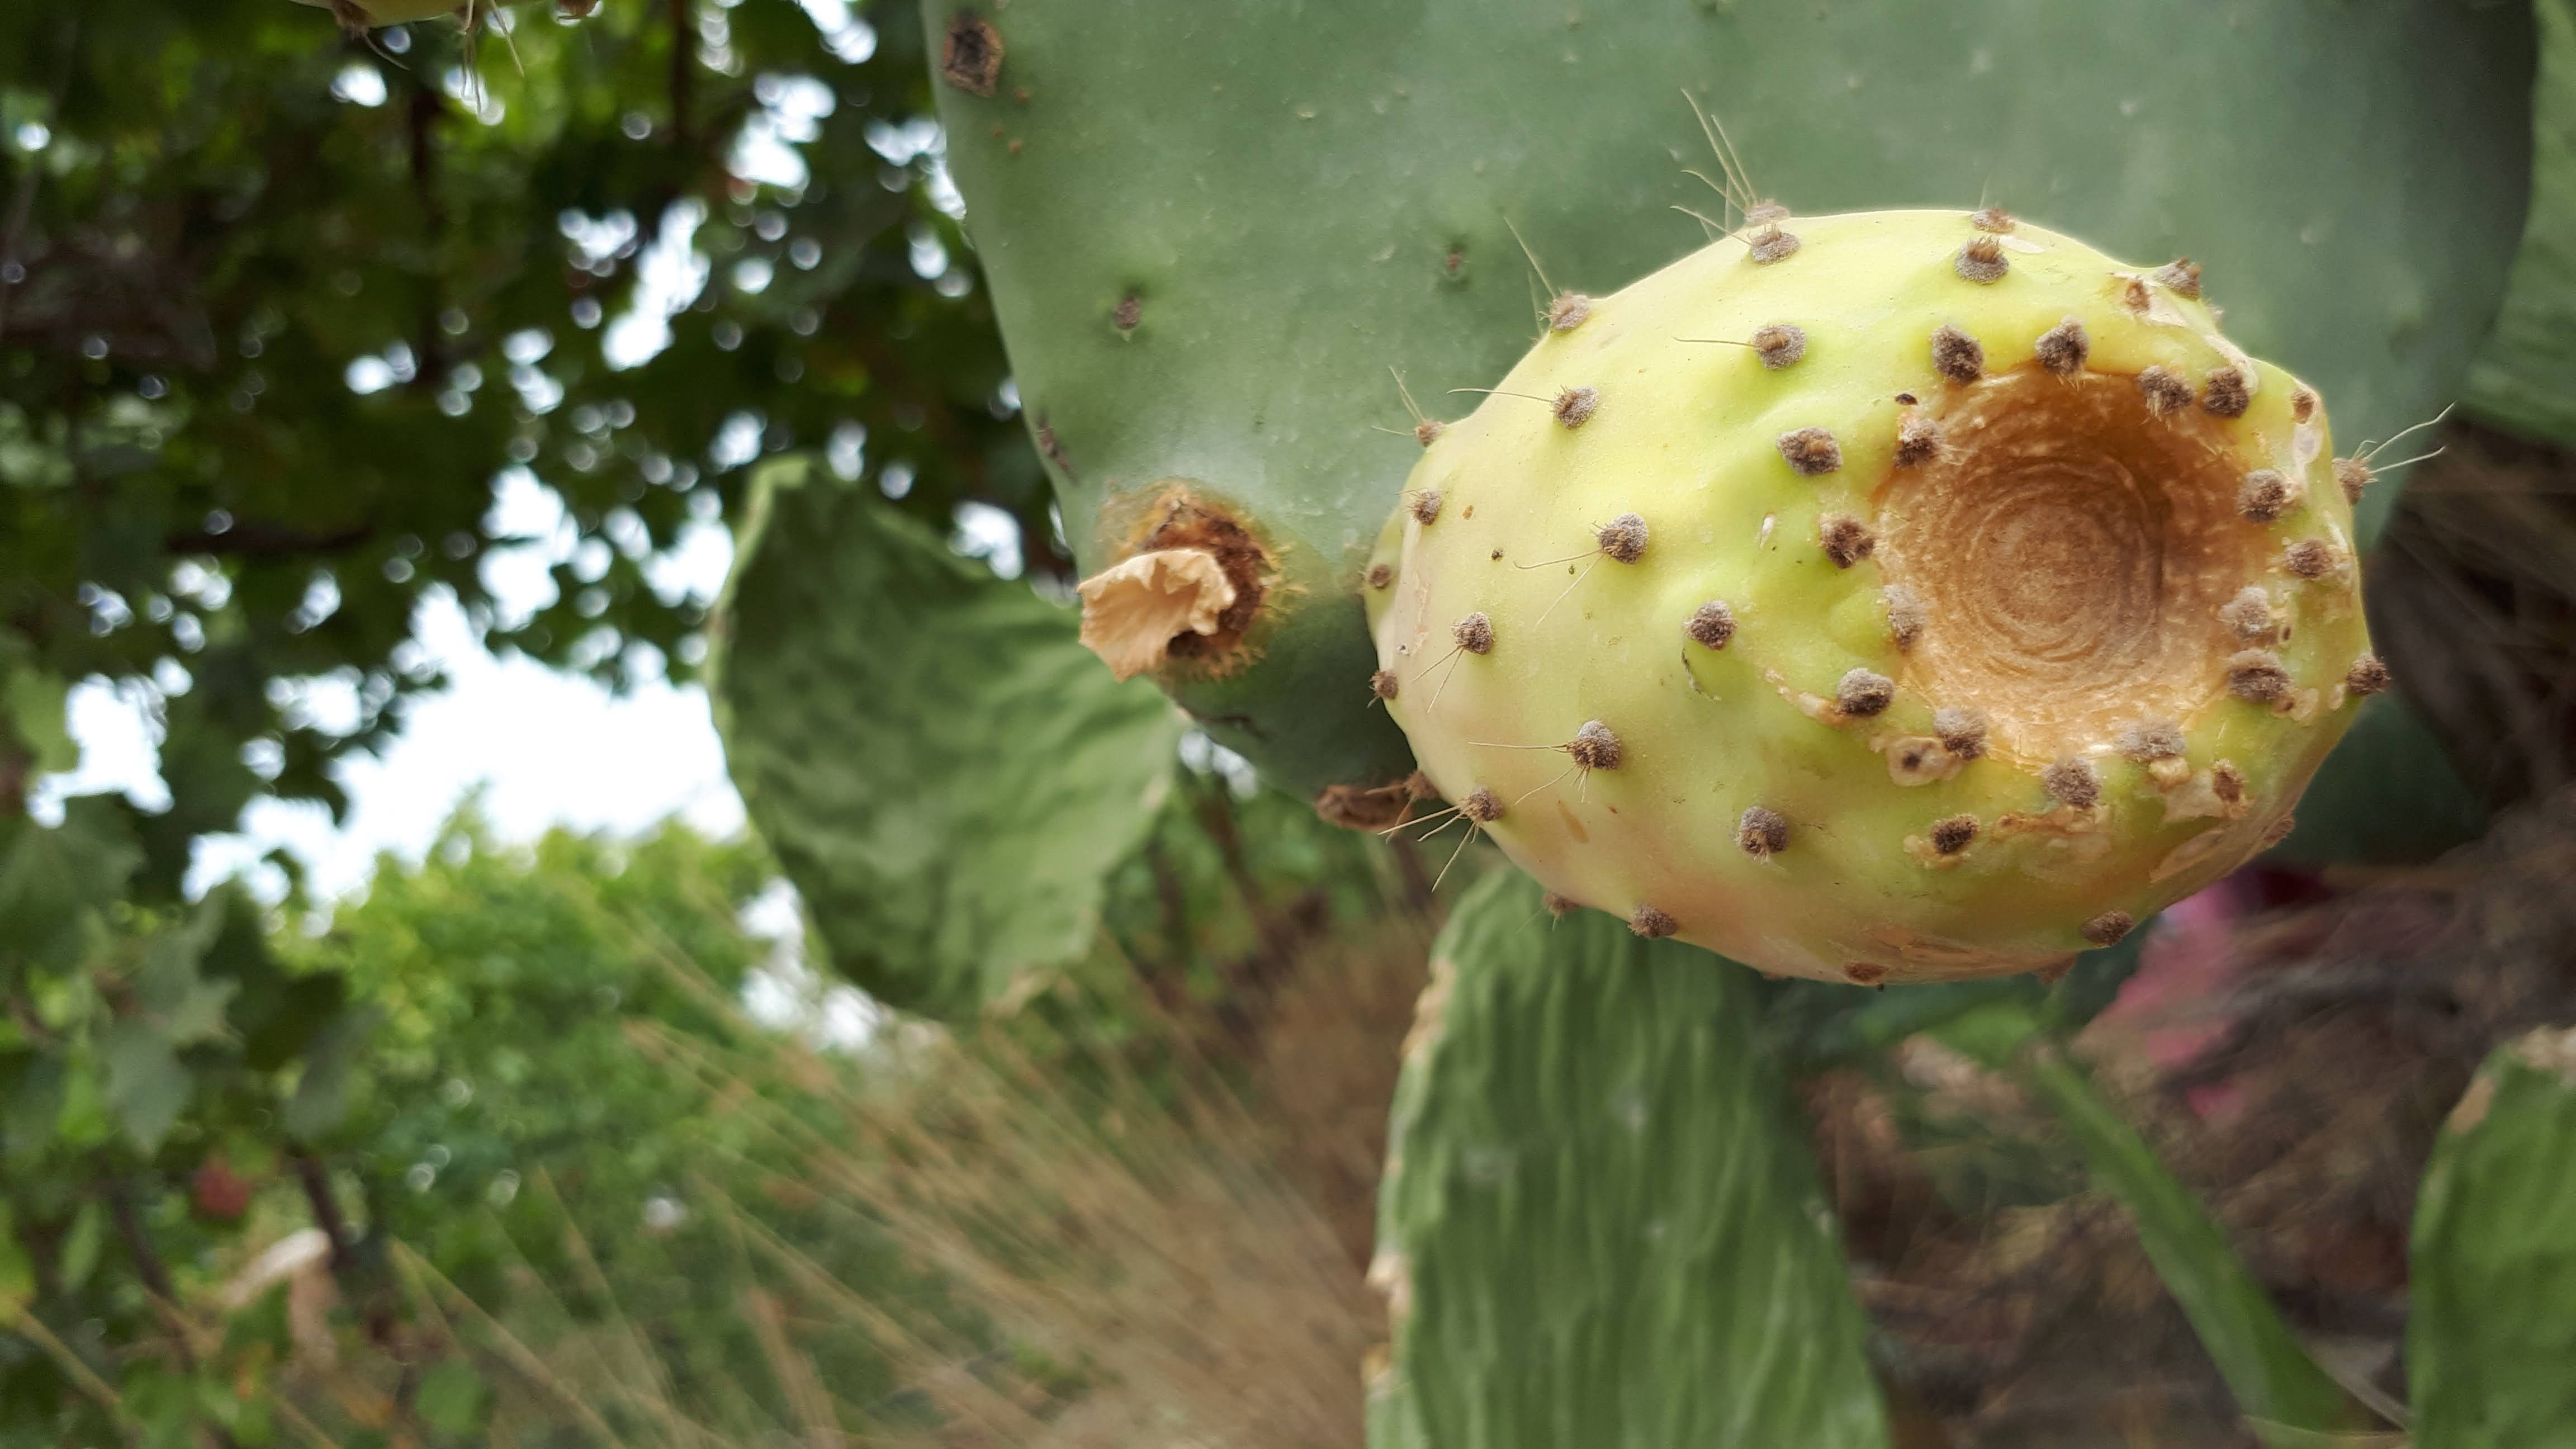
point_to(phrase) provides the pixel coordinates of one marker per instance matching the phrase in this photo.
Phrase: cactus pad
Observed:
(2017, 603)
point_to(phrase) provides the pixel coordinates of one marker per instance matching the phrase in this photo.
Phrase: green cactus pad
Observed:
(1211, 228)
(2492, 1338)
(2008, 605)
(1601, 1224)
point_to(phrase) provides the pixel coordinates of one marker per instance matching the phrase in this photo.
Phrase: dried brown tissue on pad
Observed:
(1181, 595)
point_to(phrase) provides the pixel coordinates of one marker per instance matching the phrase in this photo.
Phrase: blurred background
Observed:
(407, 1043)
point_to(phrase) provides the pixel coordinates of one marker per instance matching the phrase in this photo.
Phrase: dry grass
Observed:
(1140, 1249)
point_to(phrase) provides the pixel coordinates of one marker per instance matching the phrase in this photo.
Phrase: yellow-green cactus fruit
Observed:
(1897, 596)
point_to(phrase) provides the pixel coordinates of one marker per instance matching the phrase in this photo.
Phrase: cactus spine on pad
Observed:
(2017, 605)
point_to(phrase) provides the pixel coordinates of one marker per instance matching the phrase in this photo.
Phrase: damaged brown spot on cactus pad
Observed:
(970, 56)
(1130, 311)
(1575, 406)
(2063, 349)
(2226, 393)
(1771, 244)
(2164, 389)
(1961, 730)
(1383, 684)
(1482, 805)
(1568, 311)
(1918, 441)
(1189, 585)
(2264, 495)
(1865, 973)
(1381, 575)
(1954, 834)
(2368, 675)
(2181, 276)
(2071, 782)
(1425, 506)
(1622, 539)
(2073, 545)
(1845, 539)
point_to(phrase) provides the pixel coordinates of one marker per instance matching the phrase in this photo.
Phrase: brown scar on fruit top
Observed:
(1810, 452)
(1918, 441)
(1956, 355)
(2072, 547)
(1651, 923)
(2063, 349)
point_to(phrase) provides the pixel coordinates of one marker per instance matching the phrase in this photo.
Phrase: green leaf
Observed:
(947, 775)
(17, 1270)
(2492, 1336)
(1601, 1224)
(147, 1086)
(31, 707)
(452, 1397)
(78, 1257)
(52, 880)
(2525, 378)
(321, 1097)
(2274, 1379)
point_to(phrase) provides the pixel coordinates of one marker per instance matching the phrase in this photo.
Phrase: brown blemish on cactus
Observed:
(1381, 575)
(970, 58)
(2353, 476)
(1865, 973)
(1956, 355)
(2135, 296)
(1711, 625)
(1567, 311)
(2226, 393)
(1594, 747)
(2181, 276)
(1861, 693)
(2071, 782)
(1474, 633)
(2227, 783)
(1365, 807)
(1846, 539)
(1622, 539)
(2311, 558)
(1993, 219)
(1183, 594)
(2249, 616)
(2150, 740)
(1810, 452)
(2164, 389)
(1651, 923)
(2074, 548)
(1425, 506)
(2257, 676)
(1918, 441)
(1961, 730)
(2107, 928)
(2265, 495)
(2303, 403)
(2368, 675)
(1482, 805)
(1771, 243)
(1575, 406)
(1780, 345)
(1383, 684)
(2063, 349)
(1982, 261)
(1428, 431)
(1955, 834)
(1916, 759)
(1906, 616)
(1761, 832)
(1130, 311)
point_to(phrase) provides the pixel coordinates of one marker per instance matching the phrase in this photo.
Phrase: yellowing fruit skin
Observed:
(2069, 576)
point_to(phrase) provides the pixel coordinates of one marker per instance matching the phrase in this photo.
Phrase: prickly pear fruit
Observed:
(1895, 596)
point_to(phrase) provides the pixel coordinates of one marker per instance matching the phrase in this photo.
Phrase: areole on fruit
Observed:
(2020, 604)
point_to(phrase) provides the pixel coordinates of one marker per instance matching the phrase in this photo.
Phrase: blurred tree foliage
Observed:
(277, 303)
